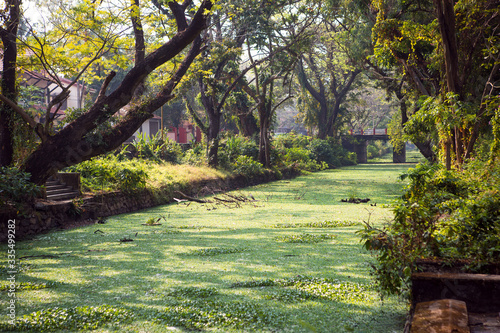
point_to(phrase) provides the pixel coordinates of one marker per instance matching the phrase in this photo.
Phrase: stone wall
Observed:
(45, 216)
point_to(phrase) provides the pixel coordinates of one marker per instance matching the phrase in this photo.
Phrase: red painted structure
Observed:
(186, 133)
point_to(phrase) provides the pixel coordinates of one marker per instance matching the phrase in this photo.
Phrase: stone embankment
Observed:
(47, 215)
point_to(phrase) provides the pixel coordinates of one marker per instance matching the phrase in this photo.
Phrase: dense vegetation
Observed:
(236, 65)
(239, 65)
(286, 260)
(442, 215)
(131, 167)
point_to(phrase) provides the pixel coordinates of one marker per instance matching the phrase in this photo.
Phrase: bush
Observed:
(330, 152)
(301, 158)
(234, 146)
(475, 229)
(291, 140)
(320, 154)
(155, 148)
(450, 215)
(195, 156)
(245, 165)
(377, 149)
(108, 173)
(15, 187)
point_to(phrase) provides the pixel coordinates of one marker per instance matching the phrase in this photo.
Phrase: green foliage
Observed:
(290, 295)
(443, 214)
(327, 151)
(5, 286)
(234, 146)
(204, 314)
(378, 149)
(323, 224)
(192, 292)
(291, 151)
(78, 318)
(408, 41)
(304, 238)
(475, 231)
(156, 149)
(291, 140)
(239, 155)
(306, 287)
(108, 173)
(214, 251)
(245, 165)
(396, 133)
(301, 159)
(195, 156)
(310, 154)
(15, 187)
(24, 138)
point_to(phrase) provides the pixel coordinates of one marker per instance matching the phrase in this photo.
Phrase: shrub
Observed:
(234, 146)
(195, 156)
(328, 151)
(130, 179)
(291, 140)
(377, 149)
(85, 318)
(323, 153)
(300, 158)
(245, 165)
(155, 148)
(442, 214)
(108, 173)
(16, 188)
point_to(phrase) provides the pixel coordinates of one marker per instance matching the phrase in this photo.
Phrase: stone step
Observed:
(58, 191)
(55, 187)
(63, 196)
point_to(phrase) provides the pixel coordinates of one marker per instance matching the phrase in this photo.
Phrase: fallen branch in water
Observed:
(189, 198)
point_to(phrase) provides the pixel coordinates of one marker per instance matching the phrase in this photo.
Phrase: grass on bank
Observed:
(287, 261)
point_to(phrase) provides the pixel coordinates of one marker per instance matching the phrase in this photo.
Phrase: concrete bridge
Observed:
(357, 141)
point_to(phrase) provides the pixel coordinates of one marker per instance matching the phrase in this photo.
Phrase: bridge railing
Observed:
(369, 131)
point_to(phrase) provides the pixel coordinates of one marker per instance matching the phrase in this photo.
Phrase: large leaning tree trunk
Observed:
(74, 143)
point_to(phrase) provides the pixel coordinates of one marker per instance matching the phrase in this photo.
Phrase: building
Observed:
(49, 89)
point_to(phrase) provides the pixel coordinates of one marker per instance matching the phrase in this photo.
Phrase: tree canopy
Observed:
(245, 60)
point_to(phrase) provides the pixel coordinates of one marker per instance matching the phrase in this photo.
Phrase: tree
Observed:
(8, 35)
(368, 107)
(448, 55)
(329, 68)
(223, 50)
(281, 30)
(80, 140)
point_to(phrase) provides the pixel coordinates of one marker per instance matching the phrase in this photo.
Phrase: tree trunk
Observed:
(323, 118)
(264, 144)
(8, 81)
(213, 138)
(446, 19)
(425, 149)
(247, 124)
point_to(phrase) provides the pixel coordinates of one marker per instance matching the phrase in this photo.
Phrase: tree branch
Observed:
(26, 117)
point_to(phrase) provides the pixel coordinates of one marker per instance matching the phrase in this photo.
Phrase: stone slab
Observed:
(440, 316)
